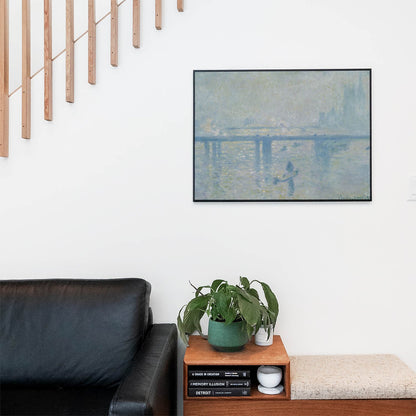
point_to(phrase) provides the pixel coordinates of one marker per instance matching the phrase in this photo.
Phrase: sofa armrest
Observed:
(149, 387)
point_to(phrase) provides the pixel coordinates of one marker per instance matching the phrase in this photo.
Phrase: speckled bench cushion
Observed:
(321, 377)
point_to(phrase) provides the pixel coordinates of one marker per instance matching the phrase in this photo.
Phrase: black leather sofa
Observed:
(84, 347)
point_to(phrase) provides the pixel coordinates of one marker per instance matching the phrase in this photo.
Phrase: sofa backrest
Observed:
(70, 331)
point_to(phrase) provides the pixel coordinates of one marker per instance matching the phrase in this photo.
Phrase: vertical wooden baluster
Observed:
(180, 5)
(69, 61)
(91, 42)
(26, 92)
(47, 56)
(158, 14)
(114, 33)
(136, 23)
(4, 78)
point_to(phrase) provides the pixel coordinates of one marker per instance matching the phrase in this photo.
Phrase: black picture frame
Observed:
(337, 143)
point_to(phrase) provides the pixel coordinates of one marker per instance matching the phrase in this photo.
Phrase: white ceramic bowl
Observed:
(269, 375)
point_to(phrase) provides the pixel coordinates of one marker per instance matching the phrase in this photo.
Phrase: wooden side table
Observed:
(200, 354)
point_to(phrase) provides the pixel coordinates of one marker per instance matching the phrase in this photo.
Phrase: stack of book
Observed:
(215, 382)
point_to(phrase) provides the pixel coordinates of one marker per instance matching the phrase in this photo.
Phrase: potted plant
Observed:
(234, 312)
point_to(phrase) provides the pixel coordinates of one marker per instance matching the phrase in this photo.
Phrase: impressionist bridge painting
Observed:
(282, 135)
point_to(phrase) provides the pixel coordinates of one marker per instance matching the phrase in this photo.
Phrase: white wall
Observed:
(106, 188)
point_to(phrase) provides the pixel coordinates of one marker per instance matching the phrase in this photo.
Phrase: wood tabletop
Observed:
(200, 352)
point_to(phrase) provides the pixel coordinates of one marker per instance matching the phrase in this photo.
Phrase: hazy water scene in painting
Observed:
(282, 135)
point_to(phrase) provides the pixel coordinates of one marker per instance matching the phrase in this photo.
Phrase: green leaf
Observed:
(191, 322)
(181, 328)
(258, 324)
(230, 316)
(253, 292)
(200, 302)
(249, 310)
(216, 284)
(244, 282)
(266, 319)
(241, 292)
(221, 303)
(199, 290)
(249, 330)
(222, 307)
(271, 299)
(193, 314)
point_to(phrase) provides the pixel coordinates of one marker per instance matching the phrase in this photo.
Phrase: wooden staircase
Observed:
(48, 58)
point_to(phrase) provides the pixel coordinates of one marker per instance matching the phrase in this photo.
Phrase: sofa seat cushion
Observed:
(351, 377)
(55, 401)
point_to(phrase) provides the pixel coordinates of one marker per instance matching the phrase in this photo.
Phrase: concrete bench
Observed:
(352, 385)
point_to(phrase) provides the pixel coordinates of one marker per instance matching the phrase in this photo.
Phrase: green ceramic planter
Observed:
(227, 338)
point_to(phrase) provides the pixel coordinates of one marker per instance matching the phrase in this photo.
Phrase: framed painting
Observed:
(282, 135)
